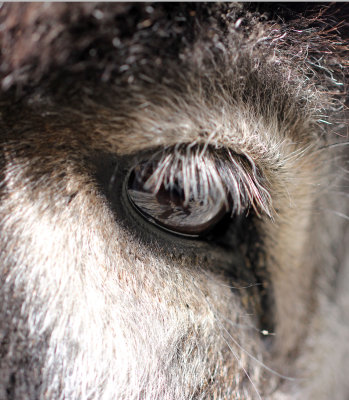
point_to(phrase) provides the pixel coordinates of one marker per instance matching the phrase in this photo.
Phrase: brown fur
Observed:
(97, 302)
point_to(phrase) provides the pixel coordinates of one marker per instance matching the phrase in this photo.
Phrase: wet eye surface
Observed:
(169, 206)
(188, 191)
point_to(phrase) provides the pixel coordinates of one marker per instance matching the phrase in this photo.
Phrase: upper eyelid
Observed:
(236, 176)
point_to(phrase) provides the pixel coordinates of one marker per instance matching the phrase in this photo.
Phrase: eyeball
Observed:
(188, 190)
(175, 205)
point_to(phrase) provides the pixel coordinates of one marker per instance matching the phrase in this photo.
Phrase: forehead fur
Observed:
(147, 74)
(39, 39)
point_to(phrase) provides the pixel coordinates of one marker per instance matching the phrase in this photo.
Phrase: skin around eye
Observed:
(169, 208)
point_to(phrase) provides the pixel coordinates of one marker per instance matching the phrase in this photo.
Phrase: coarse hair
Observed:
(174, 211)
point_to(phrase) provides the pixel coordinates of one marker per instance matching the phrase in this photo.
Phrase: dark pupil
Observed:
(174, 195)
(170, 207)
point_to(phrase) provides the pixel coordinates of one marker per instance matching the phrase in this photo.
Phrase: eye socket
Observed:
(170, 207)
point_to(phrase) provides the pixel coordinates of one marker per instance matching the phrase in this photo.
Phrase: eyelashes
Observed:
(188, 189)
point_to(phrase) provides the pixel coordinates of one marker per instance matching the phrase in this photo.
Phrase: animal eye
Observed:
(174, 204)
(188, 190)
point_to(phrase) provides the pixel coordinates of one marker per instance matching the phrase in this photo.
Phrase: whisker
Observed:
(263, 332)
(257, 360)
(334, 145)
(272, 371)
(337, 213)
(240, 365)
(222, 284)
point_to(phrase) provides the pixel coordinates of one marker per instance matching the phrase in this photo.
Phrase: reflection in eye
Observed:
(169, 208)
(188, 191)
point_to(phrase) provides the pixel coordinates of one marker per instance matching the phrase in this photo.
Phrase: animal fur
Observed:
(97, 302)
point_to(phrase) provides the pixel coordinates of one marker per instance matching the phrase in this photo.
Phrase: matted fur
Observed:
(248, 99)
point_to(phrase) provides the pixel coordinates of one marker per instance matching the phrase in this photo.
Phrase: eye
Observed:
(178, 206)
(188, 190)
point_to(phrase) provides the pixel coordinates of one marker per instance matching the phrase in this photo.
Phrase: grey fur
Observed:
(97, 303)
